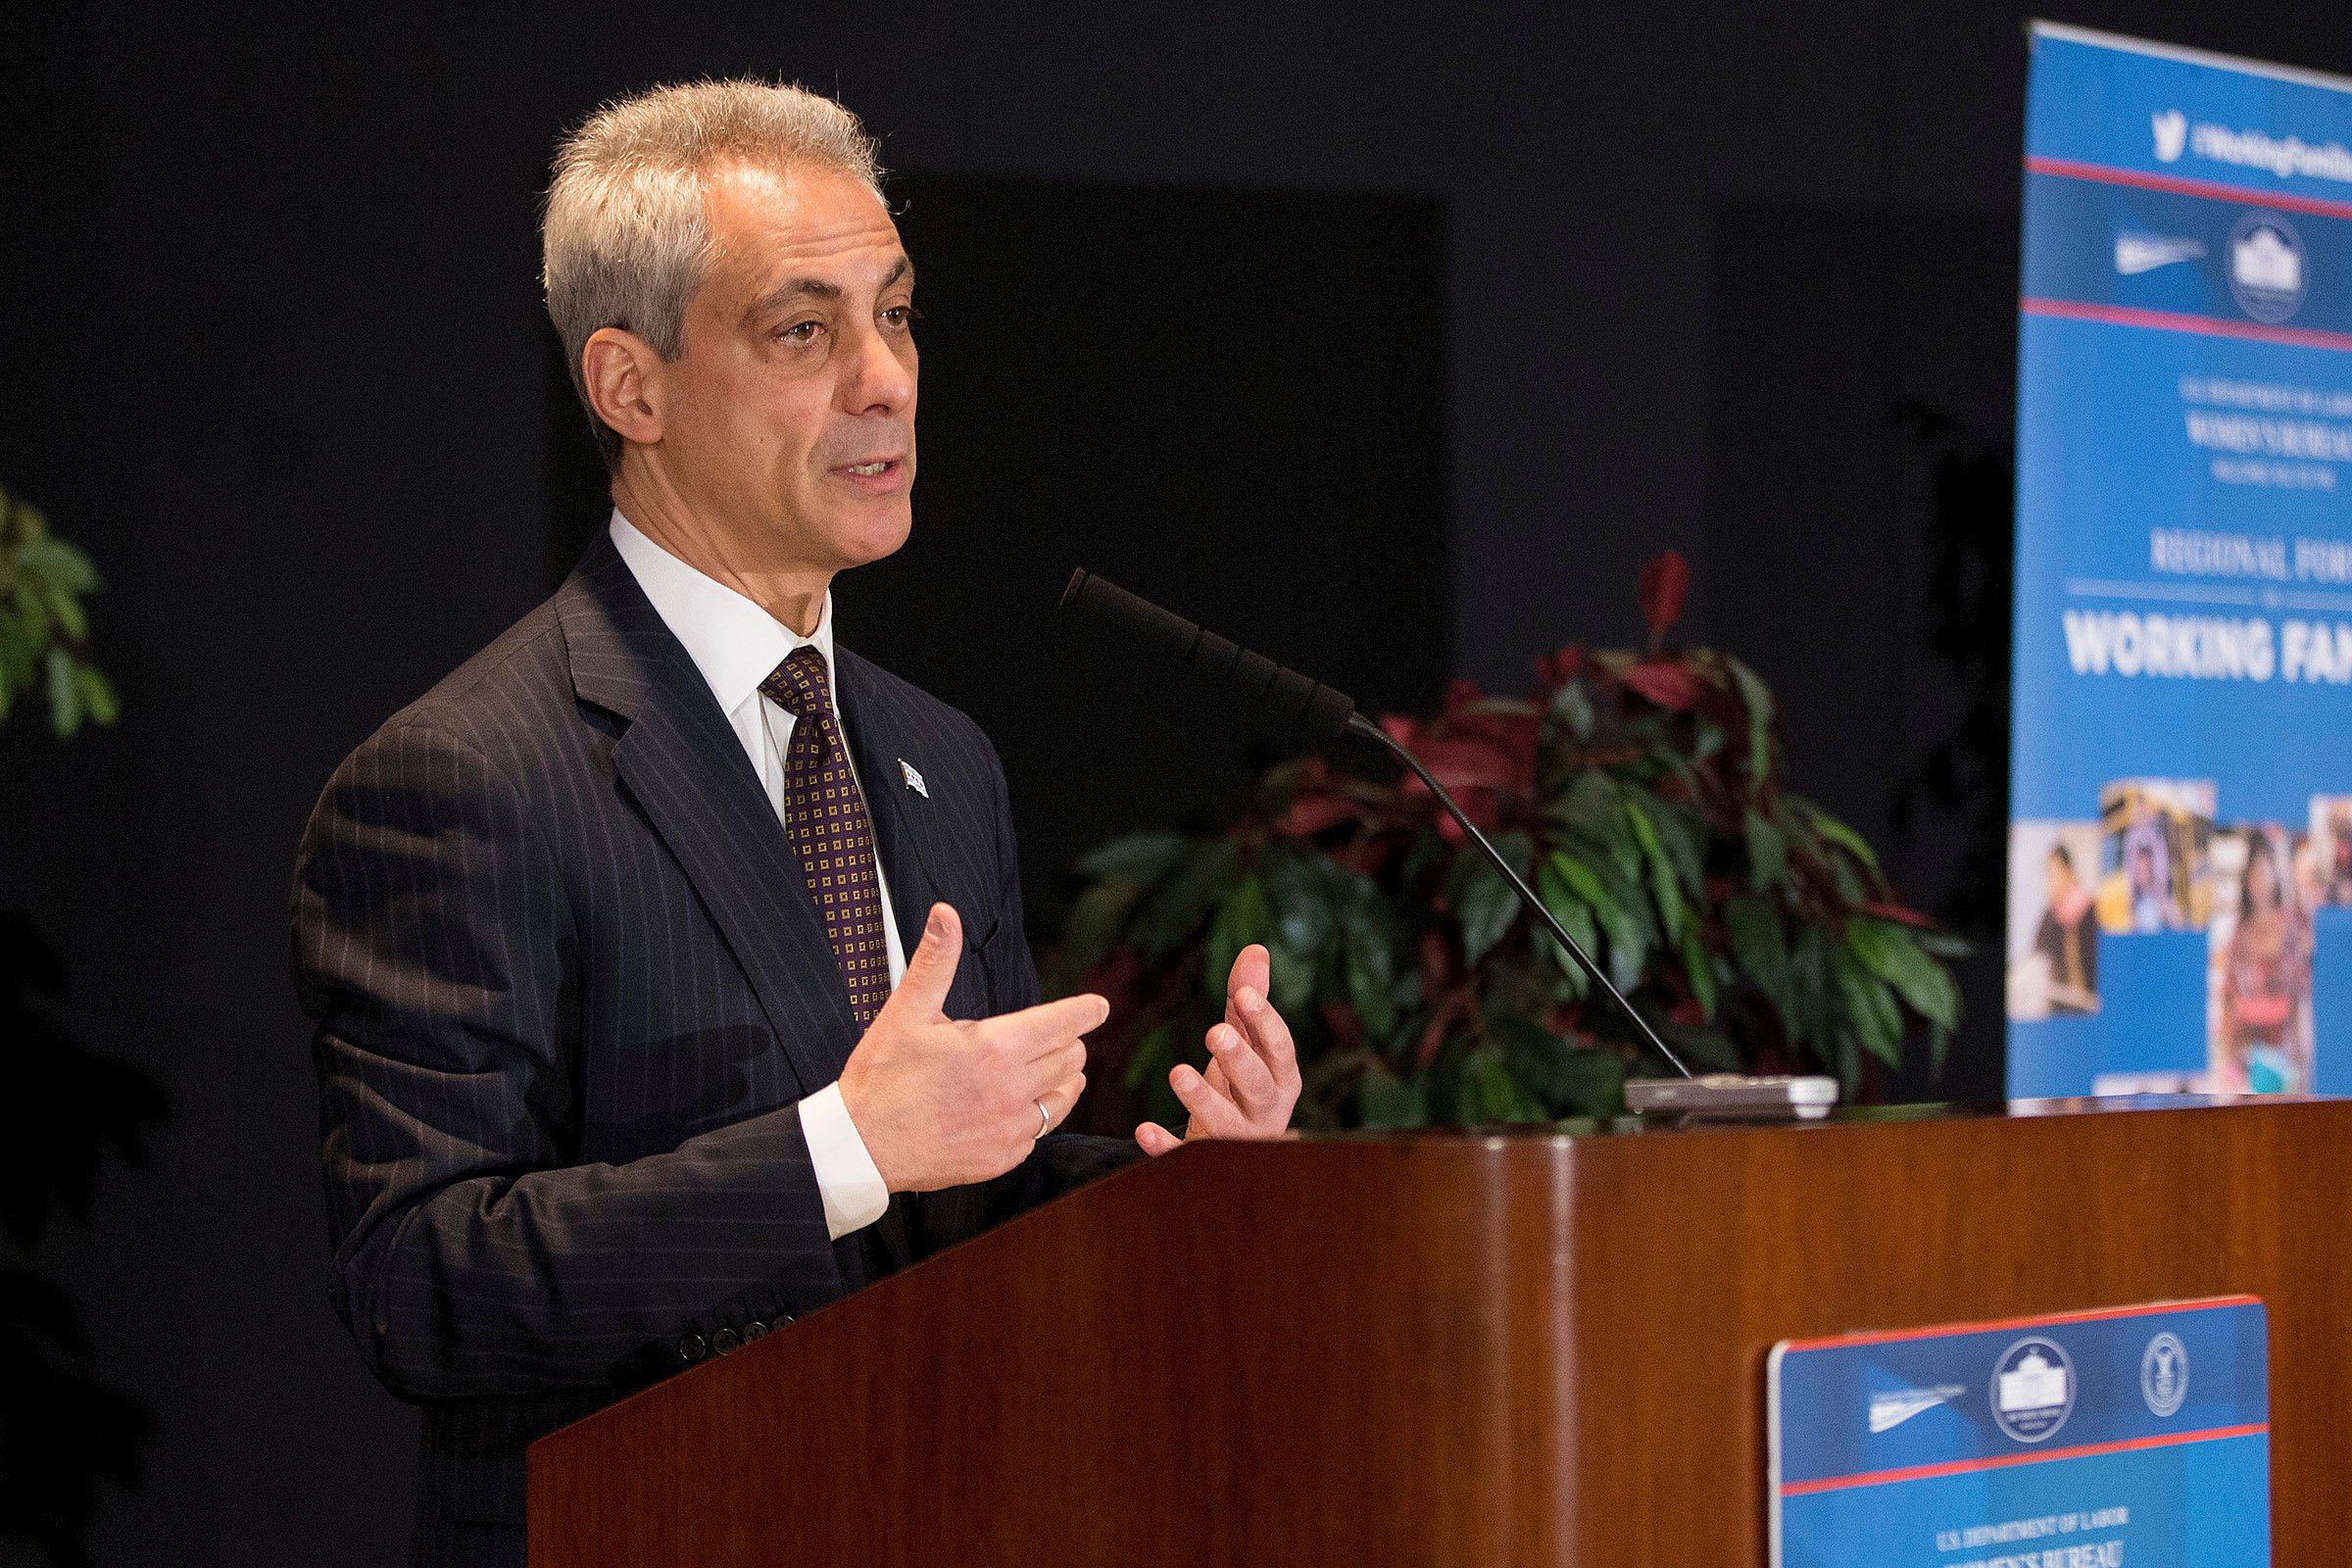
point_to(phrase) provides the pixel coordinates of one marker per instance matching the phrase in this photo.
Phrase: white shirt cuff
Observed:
(852, 1190)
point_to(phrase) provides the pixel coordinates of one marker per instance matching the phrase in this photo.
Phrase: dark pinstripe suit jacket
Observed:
(569, 987)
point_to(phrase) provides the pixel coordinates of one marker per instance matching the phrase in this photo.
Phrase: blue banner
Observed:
(2089, 1439)
(2181, 832)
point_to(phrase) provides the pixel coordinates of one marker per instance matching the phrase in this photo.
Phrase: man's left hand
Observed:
(1252, 1077)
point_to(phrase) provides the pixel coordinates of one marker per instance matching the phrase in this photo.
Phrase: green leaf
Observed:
(19, 651)
(1665, 888)
(63, 564)
(1760, 949)
(98, 699)
(1572, 706)
(1179, 905)
(1574, 914)
(1385, 1100)
(1301, 904)
(1091, 930)
(1886, 950)
(1241, 919)
(1698, 965)
(1944, 943)
(1290, 982)
(1594, 810)
(1836, 832)
(1371, 976)
(65, 610)
(65, 696)
(1870, 1013)
(1132, 858)
(1628, 943)
(1756, 698)
(1564, 1076)
(1810, 986)
(1498, 1096)
(1767, 853)
(1153, 1054)
(32, 605)
(1427, 850)
(1683, 835)
(1483, 904)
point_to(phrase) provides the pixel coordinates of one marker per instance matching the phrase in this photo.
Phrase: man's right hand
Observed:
(943, 1102)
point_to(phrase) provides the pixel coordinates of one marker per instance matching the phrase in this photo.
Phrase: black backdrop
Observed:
(274, 352)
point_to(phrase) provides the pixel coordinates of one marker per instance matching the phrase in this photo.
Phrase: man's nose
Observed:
(875, 378)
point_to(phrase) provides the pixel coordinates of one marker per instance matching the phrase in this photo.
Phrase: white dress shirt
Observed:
(737, 645)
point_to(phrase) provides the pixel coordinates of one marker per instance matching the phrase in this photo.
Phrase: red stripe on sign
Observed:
(1961, 1467)
(2210, 190)
(2205, 1304)
(2301, 337)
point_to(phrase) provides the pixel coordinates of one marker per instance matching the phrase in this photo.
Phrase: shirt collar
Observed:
(733, 642)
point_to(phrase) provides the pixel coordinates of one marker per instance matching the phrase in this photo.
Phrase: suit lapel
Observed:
(682, 763)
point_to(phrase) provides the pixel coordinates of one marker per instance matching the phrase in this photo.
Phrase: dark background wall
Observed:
(274, 352)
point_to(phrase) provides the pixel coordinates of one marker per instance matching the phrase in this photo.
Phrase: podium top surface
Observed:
(1849, 1116)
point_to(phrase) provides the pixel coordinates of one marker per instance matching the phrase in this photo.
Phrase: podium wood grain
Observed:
(1451, 1348)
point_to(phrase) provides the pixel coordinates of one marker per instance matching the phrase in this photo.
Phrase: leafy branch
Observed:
(44, 631)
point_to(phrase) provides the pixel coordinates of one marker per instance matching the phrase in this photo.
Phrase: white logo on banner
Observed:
(2267, 270)
(2033, 1389)
(1892, 1407)
(2164, 1374)
(2144, 253)
(2172, 134)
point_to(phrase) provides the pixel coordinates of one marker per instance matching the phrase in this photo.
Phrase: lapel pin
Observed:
(914, 780)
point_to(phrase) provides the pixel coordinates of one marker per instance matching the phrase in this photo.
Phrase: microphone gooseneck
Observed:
(1324, 714)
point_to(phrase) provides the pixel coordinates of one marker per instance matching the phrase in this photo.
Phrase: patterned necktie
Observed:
(826, 823)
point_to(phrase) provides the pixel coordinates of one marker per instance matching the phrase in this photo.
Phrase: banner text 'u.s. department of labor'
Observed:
(2180, 834)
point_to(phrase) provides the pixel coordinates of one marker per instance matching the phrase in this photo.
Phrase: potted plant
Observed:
(1640, 792)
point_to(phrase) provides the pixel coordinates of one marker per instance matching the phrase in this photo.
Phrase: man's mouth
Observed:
(877, 474)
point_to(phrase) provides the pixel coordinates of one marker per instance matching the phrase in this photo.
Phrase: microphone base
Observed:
(1733, 1097)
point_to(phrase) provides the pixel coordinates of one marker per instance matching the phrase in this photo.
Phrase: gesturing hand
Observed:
(939, 1102)
(1252, 1077)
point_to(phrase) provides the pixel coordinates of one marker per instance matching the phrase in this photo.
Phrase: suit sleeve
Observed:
(472, 1252)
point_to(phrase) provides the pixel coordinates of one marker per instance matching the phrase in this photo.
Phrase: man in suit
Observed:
(668, 959)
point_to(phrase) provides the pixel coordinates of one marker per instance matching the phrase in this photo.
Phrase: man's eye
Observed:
(801, 332)
(902, 316)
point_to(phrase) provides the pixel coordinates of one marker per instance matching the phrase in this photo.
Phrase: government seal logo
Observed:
(2164, 1374)
(2033, 1389)
(2267, 266)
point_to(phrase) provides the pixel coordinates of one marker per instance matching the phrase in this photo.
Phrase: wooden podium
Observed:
(1454, 1347)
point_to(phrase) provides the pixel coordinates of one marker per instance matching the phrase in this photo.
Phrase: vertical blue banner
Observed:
(2180, 831)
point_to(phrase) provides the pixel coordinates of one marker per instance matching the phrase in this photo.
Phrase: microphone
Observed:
(1285, 696)
(1322, 715)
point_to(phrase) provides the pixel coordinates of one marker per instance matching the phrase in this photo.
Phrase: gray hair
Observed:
(625, 242)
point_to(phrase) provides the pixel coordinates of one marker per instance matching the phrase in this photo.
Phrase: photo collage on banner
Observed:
(2180, 840)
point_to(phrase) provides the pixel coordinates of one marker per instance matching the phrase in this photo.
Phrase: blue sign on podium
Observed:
(2134, 1438)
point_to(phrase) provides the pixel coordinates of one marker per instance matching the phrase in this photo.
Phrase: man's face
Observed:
(789, 420)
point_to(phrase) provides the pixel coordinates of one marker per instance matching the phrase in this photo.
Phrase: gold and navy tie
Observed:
(826, 823)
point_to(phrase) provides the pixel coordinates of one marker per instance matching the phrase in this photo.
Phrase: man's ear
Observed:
(623, 375)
